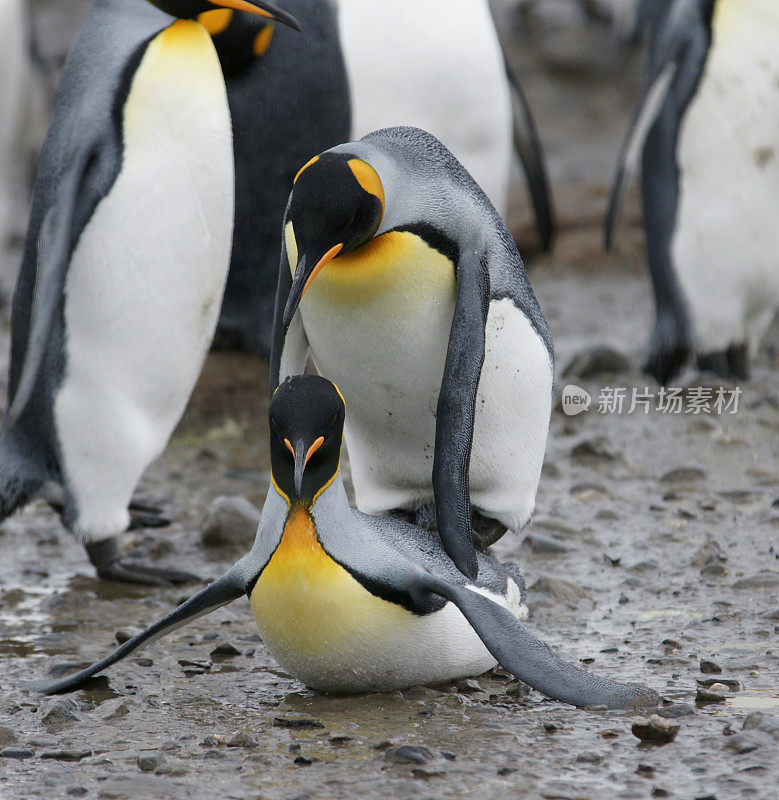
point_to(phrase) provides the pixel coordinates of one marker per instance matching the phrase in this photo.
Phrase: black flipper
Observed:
(54, 243)
(457, 411)
(526, 657)
(528, 147)
(283, 289)
(222, 591)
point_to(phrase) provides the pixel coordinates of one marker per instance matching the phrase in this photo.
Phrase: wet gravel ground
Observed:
(652, 556)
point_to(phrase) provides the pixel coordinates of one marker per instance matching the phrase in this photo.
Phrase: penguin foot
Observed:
(486, 530)
(669, 349)
(732, 363)
(145, 516)
(110, 566)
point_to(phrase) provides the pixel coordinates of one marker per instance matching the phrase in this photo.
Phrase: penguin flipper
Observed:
(289, 351)
(679, 51)
(531, 154)
(457, 410)
(53, 252)
(222, 591)
(531, 660)
(648, 109)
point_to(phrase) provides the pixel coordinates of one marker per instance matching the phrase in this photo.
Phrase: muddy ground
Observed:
(653, 549)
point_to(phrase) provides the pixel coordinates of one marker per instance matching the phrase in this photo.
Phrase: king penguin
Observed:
(707, 133)
(124, 267)
(289, 98)
(439, 66)
(350, 603)
(401, 279)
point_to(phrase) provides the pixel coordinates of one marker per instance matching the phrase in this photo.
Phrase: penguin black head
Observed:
(190, 9)
(306, 419)
(239, 39)
(336, 205)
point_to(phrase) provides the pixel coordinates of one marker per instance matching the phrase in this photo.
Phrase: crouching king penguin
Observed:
(707, 133)
(401, 279)
(124, 267)
(351, 603)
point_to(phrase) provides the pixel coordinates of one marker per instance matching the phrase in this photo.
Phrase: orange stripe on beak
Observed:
(326, 259)
(314, 447)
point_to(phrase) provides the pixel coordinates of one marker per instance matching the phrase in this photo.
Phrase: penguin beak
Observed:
(303, 278)
(302, 453)
(260, 7)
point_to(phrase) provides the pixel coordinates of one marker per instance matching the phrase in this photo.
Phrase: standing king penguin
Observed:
(124, 267)
(289, 98)
(438, 65)
(707, 133)
(418, 306)
(351, 603)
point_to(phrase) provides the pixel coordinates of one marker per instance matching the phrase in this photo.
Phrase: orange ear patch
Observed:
(262, 40)
(216, 21)
(368, 178)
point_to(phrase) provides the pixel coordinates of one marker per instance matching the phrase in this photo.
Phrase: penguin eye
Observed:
(352, 220)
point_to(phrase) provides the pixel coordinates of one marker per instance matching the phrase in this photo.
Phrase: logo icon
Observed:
(575, 400)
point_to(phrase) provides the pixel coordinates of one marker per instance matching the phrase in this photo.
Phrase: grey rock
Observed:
(707, 697)
(241, 739)
(150, 762)
(16, 752)
(231, 521)
(595, 449)
(559, 589)
(225, 650)
(125, 634)
(589, 757)
(598, 360)
(544, 545)
(7, 736)
(765, 580)
(727, 684)
(409, 754)
(59, 715)
(708, 554)
(762, 721)
(742, 743)
(655, 730)
(683, 475)
(297, 723)
(675, 711)
(710, 667)
(66, 755)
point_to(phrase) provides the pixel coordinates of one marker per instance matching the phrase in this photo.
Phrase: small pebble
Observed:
(125, 634)
(589, 757)
(655, 730)
(409, 754)
(150, 762)
(225, 650)
(675, 711)
(66, 755)
(241, 739)
(710, 667)
(707, 697)
(16, 752)
(297, 723)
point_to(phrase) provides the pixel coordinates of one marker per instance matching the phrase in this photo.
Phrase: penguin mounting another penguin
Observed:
(706, 132)
(439, 66)
(289, 98)
(124, 267)
(350, 603)
(401, 279)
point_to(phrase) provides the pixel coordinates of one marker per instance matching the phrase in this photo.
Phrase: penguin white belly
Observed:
(436, 65)
(145, 283)
(726, 242)
(330, 632)
(378, 324)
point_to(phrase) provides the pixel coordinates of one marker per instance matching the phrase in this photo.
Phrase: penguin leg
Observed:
(222, 591)
(110, 565)
(457, 411)
(528, 658)
(732, 363)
